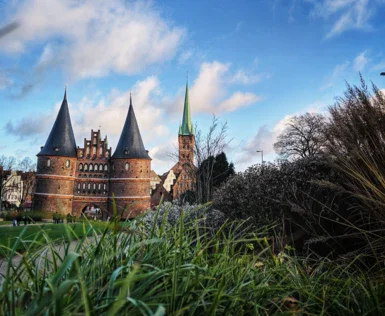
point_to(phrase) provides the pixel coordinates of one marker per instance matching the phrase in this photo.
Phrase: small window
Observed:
(104, 186)
(96, 167)
(85, 167)
(89, 186)
(94, 150)
(99, 186)
(84, 186)
(127, 166)
(101, 151)
(91, 167)
(107, 154)
(100, 167)
(94, 186)
(48, 162)
(81, 167)
(88, 151)
(81, 153)
(78, 185)
(105, 167)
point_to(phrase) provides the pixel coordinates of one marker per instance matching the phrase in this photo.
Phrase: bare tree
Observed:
(27, 188)
(7, 165)
(207, 147)
(302, 137)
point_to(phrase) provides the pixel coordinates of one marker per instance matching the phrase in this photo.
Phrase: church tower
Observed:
(56, 165)
(186, 138)
(130, 171)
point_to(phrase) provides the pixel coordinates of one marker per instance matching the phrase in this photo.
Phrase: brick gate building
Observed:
(71, 179)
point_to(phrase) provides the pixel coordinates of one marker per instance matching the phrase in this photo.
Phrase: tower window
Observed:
(91, 167)
(105, 167)
(100, 167)
(88, 151)
(96, 167)
(81, 153)
(85, 167)
(48, 162)
(127, 166)
(84, 186)
(101, 151)
(81, 167)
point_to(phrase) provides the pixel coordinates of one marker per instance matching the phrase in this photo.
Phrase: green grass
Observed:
(2, 223)
(34, 234)
(139, 269)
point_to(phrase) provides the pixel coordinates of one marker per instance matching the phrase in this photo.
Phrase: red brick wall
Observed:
(130, 186)
(54, 185)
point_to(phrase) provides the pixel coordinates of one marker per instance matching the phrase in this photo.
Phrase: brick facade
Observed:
(92, 179)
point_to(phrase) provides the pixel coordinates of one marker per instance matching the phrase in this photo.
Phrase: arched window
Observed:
(107, 154)
(96, 167)
(85, 167)
(48, 162)
(100, 167)
(99, 186)
(127, 166)
(104, 186)
(89, 186)
(101, 151)
(81, 167)
(94, 186)
(91, 167)
(105, 167)
(88, 151)
(78, 185)
(81, 153)
(84, 186)
(94, 151)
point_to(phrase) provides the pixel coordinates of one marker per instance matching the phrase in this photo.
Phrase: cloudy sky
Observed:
(251, 63)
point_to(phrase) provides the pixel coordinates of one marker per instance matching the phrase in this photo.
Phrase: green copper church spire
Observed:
(186, 128)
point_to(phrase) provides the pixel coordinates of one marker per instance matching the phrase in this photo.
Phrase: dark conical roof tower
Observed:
(61, 140)
(130, 143)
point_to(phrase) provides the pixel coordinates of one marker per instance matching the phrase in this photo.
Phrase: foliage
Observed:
(34, 216)
(306, 201)
(221, 171)
(170, 213)
(158, 270)
(357, 123)
(303, 136)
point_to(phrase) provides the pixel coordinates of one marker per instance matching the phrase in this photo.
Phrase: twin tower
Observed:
(71, 179)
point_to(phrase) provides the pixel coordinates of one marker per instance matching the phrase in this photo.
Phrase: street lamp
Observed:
(261, 151)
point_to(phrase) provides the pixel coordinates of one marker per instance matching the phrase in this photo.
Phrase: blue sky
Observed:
(251, 63)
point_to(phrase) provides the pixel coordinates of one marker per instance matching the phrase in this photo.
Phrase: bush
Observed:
(34, 216)
(304, 199)
(169, 213)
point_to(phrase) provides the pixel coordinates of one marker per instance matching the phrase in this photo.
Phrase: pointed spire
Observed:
(186, 127)
(130, 143)
(61, 140)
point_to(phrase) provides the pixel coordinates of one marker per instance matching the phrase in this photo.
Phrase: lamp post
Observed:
(261, 151)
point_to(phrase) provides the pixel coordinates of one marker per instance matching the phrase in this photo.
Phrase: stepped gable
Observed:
(61, 140)
(130, 143)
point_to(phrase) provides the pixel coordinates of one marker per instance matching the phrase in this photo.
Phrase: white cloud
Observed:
(238, 100)
(360, 61)
(246, 78)
(265, 138)
(98, 37)
(5, 81)
(345, 14)
(338, 72)
(210, 92)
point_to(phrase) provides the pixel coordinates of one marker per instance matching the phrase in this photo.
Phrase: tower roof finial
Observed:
(130, 99)
(186, 127)
(65, 92)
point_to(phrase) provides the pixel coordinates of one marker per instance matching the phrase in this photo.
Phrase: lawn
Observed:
(9, 235)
